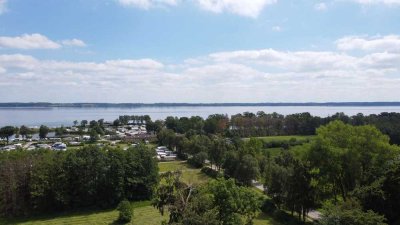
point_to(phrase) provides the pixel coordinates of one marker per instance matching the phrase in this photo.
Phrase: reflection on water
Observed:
(66, 116)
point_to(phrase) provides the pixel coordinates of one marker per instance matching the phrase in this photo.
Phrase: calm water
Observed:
(66, 116)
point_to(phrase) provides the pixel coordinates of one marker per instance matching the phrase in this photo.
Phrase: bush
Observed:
(268, 207)
(125, 211)
(198, 159)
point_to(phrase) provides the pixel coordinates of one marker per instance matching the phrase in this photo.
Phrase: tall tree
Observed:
(43, 131)
(7, 132)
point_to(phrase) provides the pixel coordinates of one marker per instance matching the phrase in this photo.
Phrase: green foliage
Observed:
(350, 214)
(290, 183)
(233, 201)
(244, 169)
(7, 132)
(125, 210)
(348, 156)
(24, 131)
(45, 180)
(382, 195)
(43, 131)
(219, 202)
(167, 137)
(94, 136)
(198, 159)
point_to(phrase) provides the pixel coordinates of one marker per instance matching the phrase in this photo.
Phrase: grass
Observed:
(144, 214)
(189, 175)
(273, 151)
(283, 138)
(263, 219)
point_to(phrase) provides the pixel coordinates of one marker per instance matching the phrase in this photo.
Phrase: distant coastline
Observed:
(138, 105)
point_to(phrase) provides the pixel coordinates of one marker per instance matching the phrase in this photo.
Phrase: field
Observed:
(144, 213)
(189, 175)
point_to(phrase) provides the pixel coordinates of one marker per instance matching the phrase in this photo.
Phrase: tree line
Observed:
(262, 124)
(40, 181)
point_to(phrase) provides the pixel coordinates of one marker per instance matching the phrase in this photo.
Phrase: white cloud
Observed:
(248, 75)
(74, 42)
(377, 43)
(37, 41)
(147, 4)
(240, 7)
(3, 6)
(28, 41)
(141, 63)
(321, 6)
(374, 2)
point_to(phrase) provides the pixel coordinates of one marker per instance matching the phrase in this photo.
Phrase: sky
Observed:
(199, 51)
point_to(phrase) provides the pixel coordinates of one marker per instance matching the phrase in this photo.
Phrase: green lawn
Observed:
(189, 175)
(283, 138)
(263, 219)
(144, 214)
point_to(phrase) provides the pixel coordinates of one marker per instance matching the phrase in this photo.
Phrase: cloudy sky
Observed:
(199, 50)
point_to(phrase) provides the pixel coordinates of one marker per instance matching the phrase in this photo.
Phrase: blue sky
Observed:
(199, 50)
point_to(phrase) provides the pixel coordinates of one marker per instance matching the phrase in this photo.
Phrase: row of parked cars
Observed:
(56, 146)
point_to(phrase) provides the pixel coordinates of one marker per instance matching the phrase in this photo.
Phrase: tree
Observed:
(94, 136)
(247, 170)
(125, 210)
(173, 194)
(350, 214)
(167, 138)
(348, 156)
(43, 131)
(116, 123)
(24, 131)
(84, 123)
(233, 201)
(75, 123)
(7, 132)
(217, 152)
(198, 159)
(382, 195)
(291, 185)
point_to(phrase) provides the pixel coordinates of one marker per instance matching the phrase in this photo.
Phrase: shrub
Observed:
(125, 211)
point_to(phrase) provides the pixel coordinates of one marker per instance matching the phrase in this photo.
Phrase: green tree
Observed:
(350, 214)
(125, 210)
(84, 123)
(217, 152)
(247, 170)
(24, 131)
(348, 156)
(7, 132)
(43, 131)
(94, 136)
